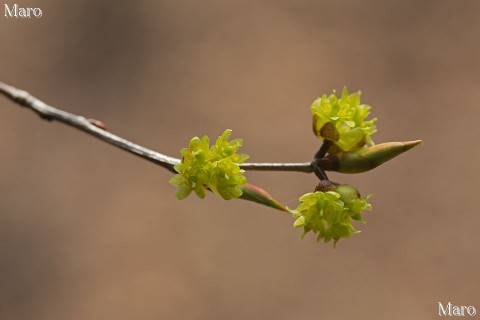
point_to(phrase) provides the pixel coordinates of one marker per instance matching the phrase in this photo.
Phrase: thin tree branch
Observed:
(50, 113)
(47, 112)
(319, 172)
(298, 167)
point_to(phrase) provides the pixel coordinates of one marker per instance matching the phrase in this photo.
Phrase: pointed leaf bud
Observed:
(253, 193)
(366, 158)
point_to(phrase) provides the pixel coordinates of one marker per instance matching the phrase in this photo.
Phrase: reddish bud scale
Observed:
(98, 124)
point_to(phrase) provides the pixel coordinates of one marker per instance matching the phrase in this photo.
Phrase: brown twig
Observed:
(92, 127)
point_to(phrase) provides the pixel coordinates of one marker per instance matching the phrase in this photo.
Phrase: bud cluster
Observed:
(342, 121)
(330, 213)
(215, 168)
(347, 147)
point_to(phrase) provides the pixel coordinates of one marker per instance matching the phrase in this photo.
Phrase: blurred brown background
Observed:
(90, 232)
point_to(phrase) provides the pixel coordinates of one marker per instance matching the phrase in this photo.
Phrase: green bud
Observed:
(353, 201)
(366, 158)
(347, 193)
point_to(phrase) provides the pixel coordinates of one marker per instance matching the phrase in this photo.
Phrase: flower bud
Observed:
(347, 193)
